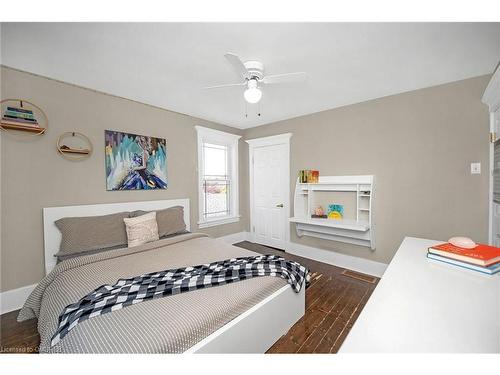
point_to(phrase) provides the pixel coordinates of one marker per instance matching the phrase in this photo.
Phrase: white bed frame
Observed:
(254, 331)
(52, 235)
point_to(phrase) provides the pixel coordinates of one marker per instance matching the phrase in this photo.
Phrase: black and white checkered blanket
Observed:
(126, 292)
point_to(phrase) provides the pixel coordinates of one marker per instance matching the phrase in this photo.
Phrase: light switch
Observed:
(475, 168)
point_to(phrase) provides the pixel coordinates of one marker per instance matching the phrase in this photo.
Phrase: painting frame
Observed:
(134, 161)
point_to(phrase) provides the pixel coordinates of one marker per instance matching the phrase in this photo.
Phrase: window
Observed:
(217, 177)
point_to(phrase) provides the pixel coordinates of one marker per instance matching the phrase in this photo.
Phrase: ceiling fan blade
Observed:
(223, 86)
(285, 78)
(237, 64)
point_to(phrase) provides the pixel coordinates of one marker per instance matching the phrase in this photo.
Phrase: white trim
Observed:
(235, 237)
(216, 135)
(215, 222)
(231, 141)
(52, 235)
(258, 328)
(491, 96)
(331, 257)
(270, 141)
(334, 258)
(356, 231)
(14, 299)
(491, 204)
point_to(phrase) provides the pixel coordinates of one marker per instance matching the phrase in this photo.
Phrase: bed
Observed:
(243, 317)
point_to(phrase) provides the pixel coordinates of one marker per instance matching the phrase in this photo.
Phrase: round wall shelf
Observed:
(74, 146)
(19, 115)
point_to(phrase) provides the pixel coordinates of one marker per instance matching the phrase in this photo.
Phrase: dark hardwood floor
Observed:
(333, 303)
(18, 337)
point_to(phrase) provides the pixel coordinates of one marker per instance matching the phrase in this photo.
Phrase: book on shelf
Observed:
(481, 255)
(27, 120)
(29, 116)
(74, 150)
(490, 270)
(20, 123)
(21, 110)
(307, 176)
(314, 216)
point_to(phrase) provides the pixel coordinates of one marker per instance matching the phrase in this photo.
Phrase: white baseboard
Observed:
(367, 266)
(14, 299)
(334, 258)
(235, 237)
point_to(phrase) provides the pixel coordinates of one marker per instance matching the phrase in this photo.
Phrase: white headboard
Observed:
(52, 235)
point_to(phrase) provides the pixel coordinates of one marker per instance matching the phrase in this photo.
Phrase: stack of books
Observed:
(482, 258)
(19, 116)
(307, 176)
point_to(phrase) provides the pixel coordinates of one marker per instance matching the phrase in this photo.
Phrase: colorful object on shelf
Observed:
(314, 176)
(303, 176)
(319, 213)
(20, 116)
(65, 148)
(76, 145)
(307, 176)
(135, 162)
(335, 211)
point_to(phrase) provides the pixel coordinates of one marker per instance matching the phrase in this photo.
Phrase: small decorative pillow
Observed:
(170, 220)
(141, 229)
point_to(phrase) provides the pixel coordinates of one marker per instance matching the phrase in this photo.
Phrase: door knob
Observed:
(280, 205)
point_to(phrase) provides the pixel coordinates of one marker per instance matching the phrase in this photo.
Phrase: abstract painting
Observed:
(135, 162)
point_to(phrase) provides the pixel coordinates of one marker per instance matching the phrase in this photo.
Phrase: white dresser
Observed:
(425, 306)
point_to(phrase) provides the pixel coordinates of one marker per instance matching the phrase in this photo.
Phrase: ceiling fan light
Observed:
(253, 95)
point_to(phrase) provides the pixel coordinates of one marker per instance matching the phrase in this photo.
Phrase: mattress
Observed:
(170, 324)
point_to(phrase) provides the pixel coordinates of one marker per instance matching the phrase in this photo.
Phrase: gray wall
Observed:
(35, 176)
(419, 145)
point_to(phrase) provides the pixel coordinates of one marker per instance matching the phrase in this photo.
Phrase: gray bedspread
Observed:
(165, 325)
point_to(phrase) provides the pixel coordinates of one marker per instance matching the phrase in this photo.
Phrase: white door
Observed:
(269, 190)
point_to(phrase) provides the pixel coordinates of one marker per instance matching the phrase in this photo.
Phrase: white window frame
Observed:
(217, 137)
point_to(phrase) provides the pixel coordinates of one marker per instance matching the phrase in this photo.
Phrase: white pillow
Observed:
(141, 229)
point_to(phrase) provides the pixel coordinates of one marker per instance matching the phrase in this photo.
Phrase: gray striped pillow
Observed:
(83, 234)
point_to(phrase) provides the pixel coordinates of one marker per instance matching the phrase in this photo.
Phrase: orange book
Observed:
(482, 255)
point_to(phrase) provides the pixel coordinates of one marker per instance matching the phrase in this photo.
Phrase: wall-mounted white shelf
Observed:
(341, 224)
(357, 230)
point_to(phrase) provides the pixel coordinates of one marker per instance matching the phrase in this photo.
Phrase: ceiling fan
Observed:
(252, 73)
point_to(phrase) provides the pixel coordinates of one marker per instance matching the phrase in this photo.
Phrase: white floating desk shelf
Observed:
(357, 231)
(361, 226)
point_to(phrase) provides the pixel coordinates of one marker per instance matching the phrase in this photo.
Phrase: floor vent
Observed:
(359, 276)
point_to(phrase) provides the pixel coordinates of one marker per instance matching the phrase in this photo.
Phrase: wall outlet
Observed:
(475, 168)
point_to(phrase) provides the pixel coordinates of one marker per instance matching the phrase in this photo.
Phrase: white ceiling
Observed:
(168, 64)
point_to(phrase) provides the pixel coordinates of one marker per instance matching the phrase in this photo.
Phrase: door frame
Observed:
(274, 140)
(491, 98)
